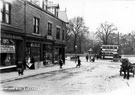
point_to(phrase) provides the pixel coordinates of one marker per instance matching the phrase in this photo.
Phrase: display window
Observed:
(56, 54)
(7, 51)
(33, 50)
(47, 53)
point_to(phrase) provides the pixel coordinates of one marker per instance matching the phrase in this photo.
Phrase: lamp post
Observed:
(133, 40)
(75, 52)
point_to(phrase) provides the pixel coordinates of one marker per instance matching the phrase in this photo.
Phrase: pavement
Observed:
(12, 76)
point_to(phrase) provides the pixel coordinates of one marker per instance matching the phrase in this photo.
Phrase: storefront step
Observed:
(8, 69)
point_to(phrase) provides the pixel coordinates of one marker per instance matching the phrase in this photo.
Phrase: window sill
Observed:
(36, 34)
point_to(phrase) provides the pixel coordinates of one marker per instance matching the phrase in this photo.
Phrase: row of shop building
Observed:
(28, 29)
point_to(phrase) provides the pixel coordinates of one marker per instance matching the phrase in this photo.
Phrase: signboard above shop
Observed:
(7, 46)
(7, 49)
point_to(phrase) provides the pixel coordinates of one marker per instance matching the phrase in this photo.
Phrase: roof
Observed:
(63, 16)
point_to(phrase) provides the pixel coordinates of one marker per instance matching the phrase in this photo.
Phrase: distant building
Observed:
(30, 30)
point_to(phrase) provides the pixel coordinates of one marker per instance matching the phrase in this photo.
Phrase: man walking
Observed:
(60, 62)
(79, 62)
(87, 58)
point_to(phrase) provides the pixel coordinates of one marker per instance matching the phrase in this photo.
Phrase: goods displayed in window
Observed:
(7, 50)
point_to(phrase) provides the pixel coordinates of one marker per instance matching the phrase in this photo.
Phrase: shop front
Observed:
(33, 51)
(59, 52)
(48, 53)
(11, 50)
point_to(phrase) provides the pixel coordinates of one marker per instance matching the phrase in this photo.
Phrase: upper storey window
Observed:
(36, 25)
(49, 28)
(58, 33)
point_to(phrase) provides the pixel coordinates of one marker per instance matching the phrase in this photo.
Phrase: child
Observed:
(20, 68)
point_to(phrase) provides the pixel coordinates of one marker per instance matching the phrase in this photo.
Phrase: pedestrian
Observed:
(93, 59)
(79, 62)
(87, 58)
(90, 58)
(33, 63)
(20, 67)
(60, 62)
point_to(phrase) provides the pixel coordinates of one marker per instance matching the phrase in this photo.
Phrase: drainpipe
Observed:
(24, 41)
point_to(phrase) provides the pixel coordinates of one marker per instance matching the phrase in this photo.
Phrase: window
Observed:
(5, 9)
(49, 28)
(36, 25)
(63, 34)
(57, 33)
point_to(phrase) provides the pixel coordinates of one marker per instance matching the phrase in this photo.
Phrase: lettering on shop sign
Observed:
(7, 49)
(11, 36)
(49, 37)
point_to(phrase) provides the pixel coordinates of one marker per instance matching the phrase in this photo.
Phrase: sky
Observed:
(121, 13)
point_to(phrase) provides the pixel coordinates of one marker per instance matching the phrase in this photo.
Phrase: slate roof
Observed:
(63, 16)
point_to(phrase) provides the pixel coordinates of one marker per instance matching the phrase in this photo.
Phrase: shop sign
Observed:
(49, 37)
(7, 49)
(35, 45)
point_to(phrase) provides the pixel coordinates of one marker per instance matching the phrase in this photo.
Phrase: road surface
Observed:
(98, 78)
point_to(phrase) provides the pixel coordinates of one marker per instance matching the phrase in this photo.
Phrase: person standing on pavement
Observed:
(33, 63)
(90, 58)
(87, 58)
(79, 62)
(20, 67)
(60, 62)
(93, 59)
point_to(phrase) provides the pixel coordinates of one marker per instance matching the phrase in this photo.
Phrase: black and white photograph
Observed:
(67, 47)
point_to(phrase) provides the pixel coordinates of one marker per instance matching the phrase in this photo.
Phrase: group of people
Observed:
(90, 58)
(29, 63)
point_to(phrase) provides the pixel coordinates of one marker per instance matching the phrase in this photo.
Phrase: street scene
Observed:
(67, 47)
(101, 77)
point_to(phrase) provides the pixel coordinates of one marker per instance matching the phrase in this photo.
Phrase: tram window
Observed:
(111, 47)
(115, 47)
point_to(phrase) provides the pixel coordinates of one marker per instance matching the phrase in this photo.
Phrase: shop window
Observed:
(49, 28)
(5, 13)
(56, 54)
(7, 52)
(58, 33)
(33, 50)
(36, 25)
(47, 50)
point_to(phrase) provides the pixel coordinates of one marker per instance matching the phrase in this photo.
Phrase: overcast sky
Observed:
(119, 12)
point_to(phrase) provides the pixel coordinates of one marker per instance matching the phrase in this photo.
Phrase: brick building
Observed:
(28, 29)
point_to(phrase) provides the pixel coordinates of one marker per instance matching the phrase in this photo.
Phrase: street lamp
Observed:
(75, 53)
(133, 44)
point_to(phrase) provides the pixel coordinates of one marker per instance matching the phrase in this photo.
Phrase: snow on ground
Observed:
(99, 78)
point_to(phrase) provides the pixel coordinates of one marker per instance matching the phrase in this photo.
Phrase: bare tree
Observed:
(68, 34)
(82, 38)
(104, 31)
(77, 28)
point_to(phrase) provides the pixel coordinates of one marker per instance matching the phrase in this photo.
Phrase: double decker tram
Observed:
(109, 51)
